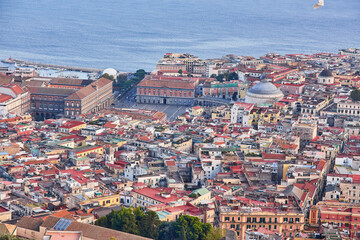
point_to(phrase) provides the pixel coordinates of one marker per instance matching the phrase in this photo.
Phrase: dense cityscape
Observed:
(236, 147)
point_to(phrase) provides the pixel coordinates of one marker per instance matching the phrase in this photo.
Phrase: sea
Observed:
(134, 34)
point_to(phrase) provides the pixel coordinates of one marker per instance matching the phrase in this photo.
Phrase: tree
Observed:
(213, 75)
(105, 75)
(140, 74)
(180, 71)
(167, 231)
(234, 96)
(150, 224)
(220, 77)
(355, 95)
(190, 228)
(233, 76)
(122, 220)
(10, 237)
(226, 76)
(106, 220)
(121, 78)
(102, 222)
(215, 234)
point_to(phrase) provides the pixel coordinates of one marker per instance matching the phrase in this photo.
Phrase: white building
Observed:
(150, 180)
(335, 179)
(240, 113)
(13, 99)
(348, 108)
(134, 169)
(211, 167)
(326, 77)
(344, 161)
(263, 92)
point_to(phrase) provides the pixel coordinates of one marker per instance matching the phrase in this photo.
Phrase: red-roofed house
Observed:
(13, 99)
(70, 126)
(145, 197)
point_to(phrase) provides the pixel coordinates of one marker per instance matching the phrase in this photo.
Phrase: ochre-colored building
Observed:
(92, 98)
(166, 90)
(284, 220)
(343, 216)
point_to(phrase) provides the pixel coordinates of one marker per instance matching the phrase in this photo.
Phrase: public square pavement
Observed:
(128, 101)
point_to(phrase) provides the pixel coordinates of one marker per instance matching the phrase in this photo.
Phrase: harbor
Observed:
(36, 65)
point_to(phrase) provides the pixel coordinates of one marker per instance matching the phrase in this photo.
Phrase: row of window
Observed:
(164, 92)
(263, 220)
(45, 98)
(72, 113)
(274, 227)
(108, 201)
(72, 104)
(349, 106)
(47, 106)
(350, 111)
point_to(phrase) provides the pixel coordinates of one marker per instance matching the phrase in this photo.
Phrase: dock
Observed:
(50, 66)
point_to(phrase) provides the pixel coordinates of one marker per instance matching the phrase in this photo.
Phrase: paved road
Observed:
(127, 100)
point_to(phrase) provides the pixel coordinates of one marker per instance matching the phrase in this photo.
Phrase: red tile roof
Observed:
(4, 98)
(159, 82)
(155, 193)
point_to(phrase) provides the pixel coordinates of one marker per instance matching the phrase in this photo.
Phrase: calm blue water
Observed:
(132, 34)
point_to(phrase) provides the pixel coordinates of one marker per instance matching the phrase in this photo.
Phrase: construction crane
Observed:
(319, 4)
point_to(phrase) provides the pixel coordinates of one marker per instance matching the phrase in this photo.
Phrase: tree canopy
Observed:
(355, 95)
(191, 228)
(105, 75)
(123, 81)
(10, 237)
(132, 220)
(225, 76)
(148, 224)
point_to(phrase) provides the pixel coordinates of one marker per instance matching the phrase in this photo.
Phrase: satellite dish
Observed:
(319, 4)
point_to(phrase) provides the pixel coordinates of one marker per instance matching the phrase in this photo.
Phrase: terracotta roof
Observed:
(167, 83)
(7, 229)
(51, 91)
(4, 98)
(93, 231)
(14, 88)
(89, 89)
(30, 223)
(156, 194)
(70, 81)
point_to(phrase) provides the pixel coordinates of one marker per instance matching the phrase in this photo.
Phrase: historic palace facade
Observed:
(166, 90)
(92, 98)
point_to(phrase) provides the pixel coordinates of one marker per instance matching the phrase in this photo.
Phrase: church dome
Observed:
(326, 73)
(263, 92)
(265, 88)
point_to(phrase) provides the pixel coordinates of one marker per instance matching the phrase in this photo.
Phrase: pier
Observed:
(50, 66)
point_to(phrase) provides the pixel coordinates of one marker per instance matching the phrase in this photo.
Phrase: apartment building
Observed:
(284, 219)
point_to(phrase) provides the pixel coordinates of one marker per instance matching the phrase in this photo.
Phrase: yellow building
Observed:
(183, 144)
(85, 151)
(106, 201)
(271, 115)
(197, 111)
(5, 214)
(221, 112)
(286, 220)
(260, 115)
(70, 126)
